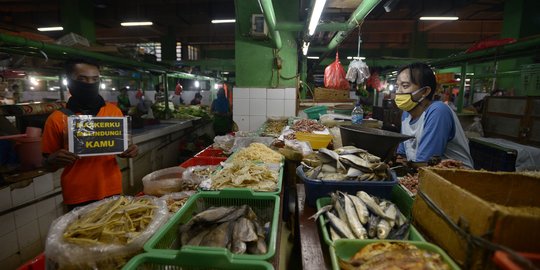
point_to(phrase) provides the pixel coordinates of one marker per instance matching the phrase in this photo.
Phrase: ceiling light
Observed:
(315, 16)
(355, 57)
(216, 86)
(113, 88)
(127, 86)
(33, 81)
(102, 85)
(197, 84)
(225, 72)
(391, 87)
(224, 21)
(64, 82)
(439, 18)
(305, 47)
(47, 29)
(390, 4)
(32, 88)
(312, 57)
(136, 23)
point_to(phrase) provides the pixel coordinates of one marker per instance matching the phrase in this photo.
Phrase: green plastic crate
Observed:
(315, 112)
(414, 235)
(346, 248)
(192, 260)
(266, 206)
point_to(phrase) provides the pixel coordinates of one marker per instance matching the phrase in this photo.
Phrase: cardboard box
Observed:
(330, 94)
(501, 207)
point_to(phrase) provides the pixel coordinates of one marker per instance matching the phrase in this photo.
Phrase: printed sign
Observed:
(94, 136)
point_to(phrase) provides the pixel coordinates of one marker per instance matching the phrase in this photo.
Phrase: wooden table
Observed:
(314, 251)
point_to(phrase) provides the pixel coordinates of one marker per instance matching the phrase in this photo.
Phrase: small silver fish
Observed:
(383, 229)
(361, 209)
(333, 234)
(340, 226)
(372, 226)
(354, 172)
(391, 211)
(338, 203)
(354, 222)
(346, 150)
(321, 211)
(334, 156)
(327, 168)
(372, 205)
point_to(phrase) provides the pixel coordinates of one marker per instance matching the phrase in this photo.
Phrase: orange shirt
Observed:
(89, 178)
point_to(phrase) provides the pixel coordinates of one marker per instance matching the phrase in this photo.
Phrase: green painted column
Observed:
(303, 78)
(461, 94)
(255, 57)
(78, 17)
(168, 45)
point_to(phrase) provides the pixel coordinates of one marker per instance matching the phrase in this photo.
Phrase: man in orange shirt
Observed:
(84, 179)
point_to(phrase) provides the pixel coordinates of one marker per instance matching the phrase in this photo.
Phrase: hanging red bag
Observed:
(334, 76)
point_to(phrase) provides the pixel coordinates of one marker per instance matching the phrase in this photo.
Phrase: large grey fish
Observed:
(338, 203)
(218, 237)
(354, 222)
(357, 161)
(340, 226)
(361, 209)
(334, 156)
(383, 229)
(257, 247)
(354, 172)
(372, 205)
(196, 241)
(313, 173)
(345, 150)
(332, 176)
(327, 168)
(238, 247)
(244, 230)
(213, 214)
(369, 157)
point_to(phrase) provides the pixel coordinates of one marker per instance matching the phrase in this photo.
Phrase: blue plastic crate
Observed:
(316, 189)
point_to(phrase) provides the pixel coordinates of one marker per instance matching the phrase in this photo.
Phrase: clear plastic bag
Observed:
(300, 146)
(65, 255)
(358, 72)
(243, 142)
(334, 76)
(224, 143)
(163, 181)
(475, 129)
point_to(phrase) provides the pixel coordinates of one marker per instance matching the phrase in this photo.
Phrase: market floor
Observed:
(286, 246)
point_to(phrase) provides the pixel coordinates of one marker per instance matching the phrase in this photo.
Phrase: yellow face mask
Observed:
(405, 101)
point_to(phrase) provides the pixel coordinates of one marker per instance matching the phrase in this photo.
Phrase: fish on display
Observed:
(236, 228)
(363, 217)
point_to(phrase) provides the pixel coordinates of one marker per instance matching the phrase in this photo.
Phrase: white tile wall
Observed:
(7, 224)
(290, 93)
(290, 107)
(240, 93)
(57, 178)
(22, 195)
(11, 262)
(31, 251)
(44, 223)
(242, 121)
(43, 184)
(45, 206)
(257, 93)
(241, 107)
(275, 93)
(59, 201)
(257, 107)
(256, 122)
(275, 107)
(25, 215)
(5, 198)
(28, 234)
(9, 245)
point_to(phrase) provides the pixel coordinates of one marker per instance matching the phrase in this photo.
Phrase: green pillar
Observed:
(418, 47)
(461, 94)
(303, 77)
(78, 17)
(168, 45)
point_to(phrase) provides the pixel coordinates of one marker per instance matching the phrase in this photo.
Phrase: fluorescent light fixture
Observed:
(197, 84)
(305, 48)
(224, 21)
(225, 72)
(136, 23)
(48, 29)
(216, 86)
(33, 81)
(114, 88)
(439, 18)
(127, 86)
(312, 57)
(354, 57)
(315, 16)
(64, 82)
(102, 85)
(391, 87)
(31, 88)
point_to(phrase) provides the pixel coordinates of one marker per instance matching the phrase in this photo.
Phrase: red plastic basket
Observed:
(210, 152)
(201, 161)
(37, 263)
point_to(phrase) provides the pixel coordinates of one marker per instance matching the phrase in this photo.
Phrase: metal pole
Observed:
(270, 18)
(461, 93)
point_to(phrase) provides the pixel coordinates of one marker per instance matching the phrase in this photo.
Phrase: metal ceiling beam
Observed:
(270, 18)
(357, 16)
(299, 26)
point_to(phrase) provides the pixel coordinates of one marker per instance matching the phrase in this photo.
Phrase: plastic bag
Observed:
(336, 141)
(197, 174)
(475, 129)
(243, 142)
(300, 146)
(64, 255)
(163, 181)
(334, 76)
(176, 200)
(358, 72)
(224, 143)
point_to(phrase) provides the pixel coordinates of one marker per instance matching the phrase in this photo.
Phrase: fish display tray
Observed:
(202, 161)
(346, 248)
(211, 152)
(193, 260)
(316, 189)
(315, 112)
(266, 206)
(414, 235)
